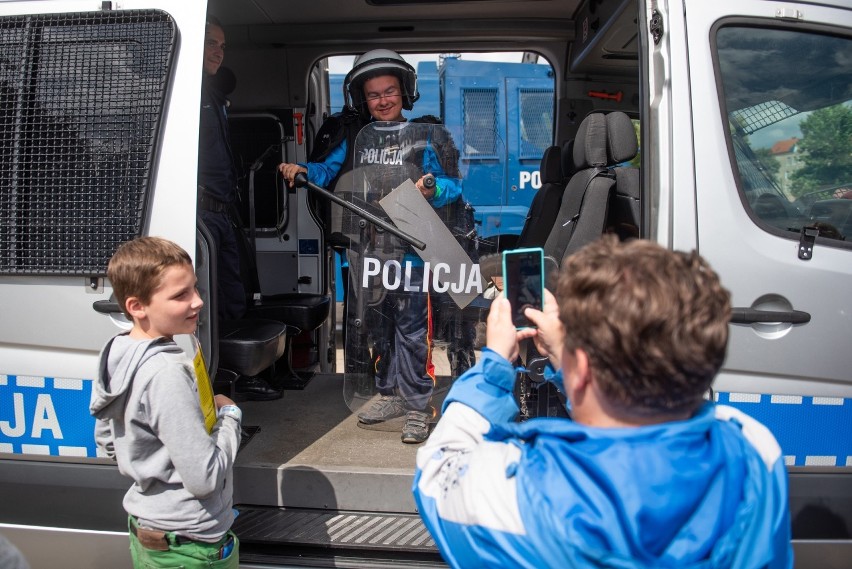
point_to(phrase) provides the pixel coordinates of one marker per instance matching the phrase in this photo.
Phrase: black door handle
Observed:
(753, 315)
(107, 307)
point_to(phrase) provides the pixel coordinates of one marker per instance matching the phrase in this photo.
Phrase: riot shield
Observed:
(416, 299)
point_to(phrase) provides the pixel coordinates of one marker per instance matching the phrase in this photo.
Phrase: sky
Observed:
(343, 63)
(782, 130)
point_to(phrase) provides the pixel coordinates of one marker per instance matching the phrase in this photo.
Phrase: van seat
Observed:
(624, 206)
(568, 166)
(304, 312)
(586, 196)
(624, 212)
(602, 141)
(242, 347)
(543, 208)
(249, 346)
(545, 203)
(621, 144)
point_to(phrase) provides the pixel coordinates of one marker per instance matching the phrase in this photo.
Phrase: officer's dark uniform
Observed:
(217, 192)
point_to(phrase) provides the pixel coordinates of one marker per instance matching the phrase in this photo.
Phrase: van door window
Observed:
(81, 98)
(536, 124)
(790, 136)
(480, 122)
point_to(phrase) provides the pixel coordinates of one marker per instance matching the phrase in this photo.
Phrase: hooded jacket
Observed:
(707, 492)
(149, 419)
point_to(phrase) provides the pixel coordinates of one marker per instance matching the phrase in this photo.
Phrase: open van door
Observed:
(750, 107)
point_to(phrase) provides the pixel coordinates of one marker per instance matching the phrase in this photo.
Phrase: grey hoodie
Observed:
(149, 419)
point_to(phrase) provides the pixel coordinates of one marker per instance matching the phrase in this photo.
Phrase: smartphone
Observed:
(523, 282)
(227, 548)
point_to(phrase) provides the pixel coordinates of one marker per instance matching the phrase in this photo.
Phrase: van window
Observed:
(480, 122)
(80, 103)
(791, 136)
(536, 128)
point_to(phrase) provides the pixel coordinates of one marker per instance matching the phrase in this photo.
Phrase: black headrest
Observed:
(590, 142)
(568, 167)
(621, 142)
(551, 166)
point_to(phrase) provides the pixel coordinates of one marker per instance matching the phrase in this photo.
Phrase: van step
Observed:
(333, 529)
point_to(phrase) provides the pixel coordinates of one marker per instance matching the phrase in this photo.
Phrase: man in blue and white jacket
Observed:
(647, 473)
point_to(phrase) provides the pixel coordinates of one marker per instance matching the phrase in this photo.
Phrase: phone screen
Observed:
(523, 282)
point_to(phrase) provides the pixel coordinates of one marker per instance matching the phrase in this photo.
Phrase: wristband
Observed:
(232, 411)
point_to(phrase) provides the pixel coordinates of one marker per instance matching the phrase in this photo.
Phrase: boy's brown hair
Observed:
(653, 322)
(137, 267)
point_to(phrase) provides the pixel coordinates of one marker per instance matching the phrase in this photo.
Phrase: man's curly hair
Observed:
(653, 322)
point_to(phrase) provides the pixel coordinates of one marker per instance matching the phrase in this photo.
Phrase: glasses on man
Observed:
(388, 94)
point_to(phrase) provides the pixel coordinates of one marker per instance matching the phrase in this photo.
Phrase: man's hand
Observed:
(289, 171)
(500, 333)
(549, 332)
(426, 185)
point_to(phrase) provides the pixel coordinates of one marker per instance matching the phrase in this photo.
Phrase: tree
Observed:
(826, 150)
(768, 162)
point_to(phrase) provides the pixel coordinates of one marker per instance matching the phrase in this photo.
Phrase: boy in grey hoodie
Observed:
(150, 420)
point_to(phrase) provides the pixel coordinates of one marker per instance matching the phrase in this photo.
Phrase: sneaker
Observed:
(384, 408)
(416, 428)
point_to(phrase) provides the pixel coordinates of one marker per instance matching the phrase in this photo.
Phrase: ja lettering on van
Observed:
(46, 416)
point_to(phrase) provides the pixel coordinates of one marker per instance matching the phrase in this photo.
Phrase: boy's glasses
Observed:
(390, 93)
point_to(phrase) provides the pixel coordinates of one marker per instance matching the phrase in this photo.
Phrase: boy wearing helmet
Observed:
(379, 87)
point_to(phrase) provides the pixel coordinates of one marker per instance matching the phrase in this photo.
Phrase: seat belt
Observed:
(570, 212)
(593, 214)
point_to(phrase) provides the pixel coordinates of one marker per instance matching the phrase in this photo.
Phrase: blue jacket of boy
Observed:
(707, 492)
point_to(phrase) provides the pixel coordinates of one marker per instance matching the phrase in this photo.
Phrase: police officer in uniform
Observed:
(217, 194)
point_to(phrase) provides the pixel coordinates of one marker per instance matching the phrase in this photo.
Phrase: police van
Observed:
(745, 109)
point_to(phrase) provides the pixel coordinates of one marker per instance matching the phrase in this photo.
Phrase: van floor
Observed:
(314, 428)
(312, 484)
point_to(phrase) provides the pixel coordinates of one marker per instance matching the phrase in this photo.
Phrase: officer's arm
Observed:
(447, 188)
(322, 173)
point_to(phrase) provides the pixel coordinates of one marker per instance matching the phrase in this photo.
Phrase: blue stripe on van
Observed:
(46, 416)
(812, 431)
(50, 416)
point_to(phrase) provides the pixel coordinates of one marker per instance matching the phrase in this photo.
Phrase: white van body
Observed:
(61, 503)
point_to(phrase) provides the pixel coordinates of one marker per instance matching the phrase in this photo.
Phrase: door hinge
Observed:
(656, 26)
(806, 242)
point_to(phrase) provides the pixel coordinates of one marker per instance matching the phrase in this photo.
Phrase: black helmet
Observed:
(376, 63)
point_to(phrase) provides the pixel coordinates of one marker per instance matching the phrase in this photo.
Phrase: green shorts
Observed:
(184, 553)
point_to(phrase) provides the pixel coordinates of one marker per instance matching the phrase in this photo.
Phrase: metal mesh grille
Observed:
(755, 118)
(536, 130)
(81, 97)
(480, 122)
(333, 529)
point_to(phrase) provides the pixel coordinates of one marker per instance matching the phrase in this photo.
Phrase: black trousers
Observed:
(231, 299)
